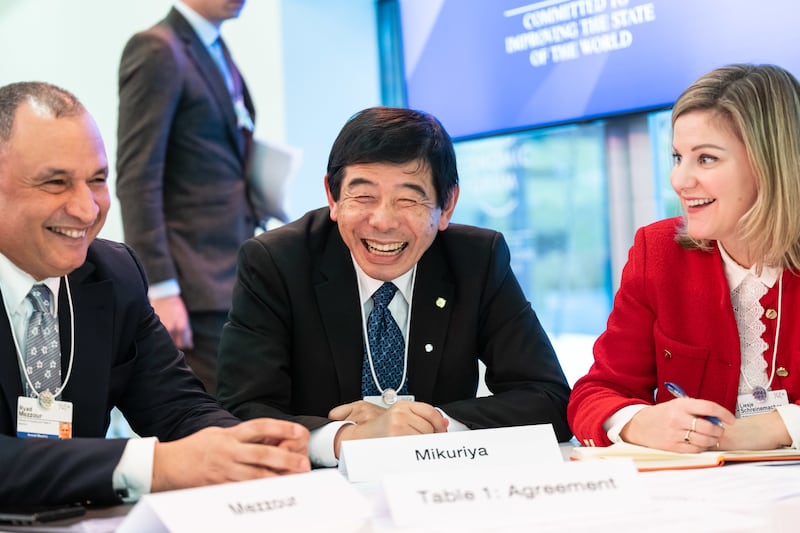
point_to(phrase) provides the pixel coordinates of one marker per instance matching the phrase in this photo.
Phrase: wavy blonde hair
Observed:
(761, 105)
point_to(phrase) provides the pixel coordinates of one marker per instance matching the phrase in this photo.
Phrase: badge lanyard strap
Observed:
(775, 345)
(71, 348)
(405, 340)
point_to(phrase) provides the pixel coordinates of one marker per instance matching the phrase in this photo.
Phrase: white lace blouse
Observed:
(747, 289)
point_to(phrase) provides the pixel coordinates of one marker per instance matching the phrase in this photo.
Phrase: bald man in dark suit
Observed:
(110, 349)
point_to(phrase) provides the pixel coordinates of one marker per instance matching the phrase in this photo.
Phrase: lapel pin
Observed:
(440, 302)
(429, 348)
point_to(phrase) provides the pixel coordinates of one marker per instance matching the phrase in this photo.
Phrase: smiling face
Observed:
(388, 215)
(53, 192)
(714, 179)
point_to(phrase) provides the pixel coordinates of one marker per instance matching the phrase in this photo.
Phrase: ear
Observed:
(331, 202)
(447, 212)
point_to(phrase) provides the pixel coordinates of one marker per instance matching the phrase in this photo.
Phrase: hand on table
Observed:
(402, 418)
(254, 449)
(758, 432)
(679, 426)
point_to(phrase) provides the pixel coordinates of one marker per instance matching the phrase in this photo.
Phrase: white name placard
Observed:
(372, 459)
(532, 496)
(321, 500)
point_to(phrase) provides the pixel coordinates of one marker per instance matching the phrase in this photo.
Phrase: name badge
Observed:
(764, 402)
(35, 421)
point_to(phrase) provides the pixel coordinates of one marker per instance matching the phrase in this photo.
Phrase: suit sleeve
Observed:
(255, 356)
(150, 84)
(36, 471)
(624, 370)
(160, 396)
(522, 370)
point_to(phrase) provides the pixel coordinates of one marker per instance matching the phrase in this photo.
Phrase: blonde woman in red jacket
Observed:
(711, 301)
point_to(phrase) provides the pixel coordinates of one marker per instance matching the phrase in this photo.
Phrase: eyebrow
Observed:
(408, 185)
(56, 171)
(706, 146)
(51, 172)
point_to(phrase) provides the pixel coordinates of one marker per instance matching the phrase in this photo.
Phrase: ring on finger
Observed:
(694, 423)
(688, 437)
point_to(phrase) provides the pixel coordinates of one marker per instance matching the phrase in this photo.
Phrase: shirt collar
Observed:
(735, 273)
(207, 32)
(16, 284)
(367, 285)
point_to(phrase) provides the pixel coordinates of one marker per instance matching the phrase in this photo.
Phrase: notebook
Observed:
(647, 459)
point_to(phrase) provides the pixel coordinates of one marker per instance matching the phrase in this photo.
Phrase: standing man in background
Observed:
(184, 133)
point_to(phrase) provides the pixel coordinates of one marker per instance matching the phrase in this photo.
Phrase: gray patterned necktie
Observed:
(42, 346)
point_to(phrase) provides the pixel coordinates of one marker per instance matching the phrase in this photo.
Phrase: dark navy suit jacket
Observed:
(123, 357)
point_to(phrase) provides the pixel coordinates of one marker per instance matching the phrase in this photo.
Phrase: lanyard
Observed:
(46, 398)
(405, 338)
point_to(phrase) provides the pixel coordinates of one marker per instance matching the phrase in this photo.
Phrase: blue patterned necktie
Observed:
(233, 81)
(386, 344)
(42, 345)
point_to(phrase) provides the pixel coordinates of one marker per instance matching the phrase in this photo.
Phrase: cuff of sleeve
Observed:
(452, 423)
(133, 475)
(320, 444)
(791, 419)
(163, 289)
(614, 424)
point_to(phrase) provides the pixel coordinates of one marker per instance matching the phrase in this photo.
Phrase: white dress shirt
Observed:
(321, 441)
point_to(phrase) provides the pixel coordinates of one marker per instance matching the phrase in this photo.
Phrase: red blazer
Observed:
(673, 321)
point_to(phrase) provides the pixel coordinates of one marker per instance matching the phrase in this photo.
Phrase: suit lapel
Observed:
(88, 379)
(198, 55)
(430, 317)
(93, 314)
(337, 293)
(10, 379)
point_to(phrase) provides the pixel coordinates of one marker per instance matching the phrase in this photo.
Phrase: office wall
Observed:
(331, 70)
(309, 64)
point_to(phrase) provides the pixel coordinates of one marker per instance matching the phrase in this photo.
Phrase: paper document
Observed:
(272, 166)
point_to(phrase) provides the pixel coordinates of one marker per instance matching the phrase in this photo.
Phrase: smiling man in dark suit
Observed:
(113, 349)
(184, 132)
(295, 346)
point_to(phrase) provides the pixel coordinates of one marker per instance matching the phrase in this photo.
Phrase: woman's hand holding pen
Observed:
(679, 425)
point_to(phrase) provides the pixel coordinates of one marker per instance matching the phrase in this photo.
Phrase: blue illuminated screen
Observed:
(487, 66)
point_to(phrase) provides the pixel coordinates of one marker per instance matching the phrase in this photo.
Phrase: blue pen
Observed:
(678, 392)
